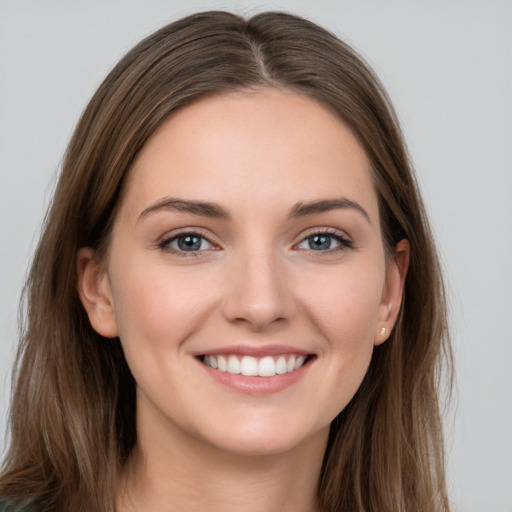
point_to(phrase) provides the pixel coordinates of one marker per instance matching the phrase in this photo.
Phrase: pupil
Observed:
(189, 243)
(318, 242)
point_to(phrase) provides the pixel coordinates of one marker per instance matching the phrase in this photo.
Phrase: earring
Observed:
(383, 331)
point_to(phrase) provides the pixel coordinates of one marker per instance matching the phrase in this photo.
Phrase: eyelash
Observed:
(344, 242)
(164, 245)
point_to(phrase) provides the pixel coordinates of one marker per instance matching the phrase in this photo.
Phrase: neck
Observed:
(185, 475)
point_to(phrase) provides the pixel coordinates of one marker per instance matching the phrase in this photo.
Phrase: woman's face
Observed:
(248, 240)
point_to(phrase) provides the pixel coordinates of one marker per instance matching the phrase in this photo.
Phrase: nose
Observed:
(259, 293)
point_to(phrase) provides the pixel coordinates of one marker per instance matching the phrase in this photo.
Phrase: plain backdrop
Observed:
(447, 65)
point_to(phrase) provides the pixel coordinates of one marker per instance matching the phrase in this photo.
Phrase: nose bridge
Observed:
(258, 293)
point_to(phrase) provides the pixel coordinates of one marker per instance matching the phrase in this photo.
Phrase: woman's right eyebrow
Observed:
(203, 208)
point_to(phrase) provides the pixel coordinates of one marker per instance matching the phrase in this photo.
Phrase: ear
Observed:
(95, 293)
(393, 291)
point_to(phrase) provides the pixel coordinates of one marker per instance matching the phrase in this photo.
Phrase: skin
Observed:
(255, 281)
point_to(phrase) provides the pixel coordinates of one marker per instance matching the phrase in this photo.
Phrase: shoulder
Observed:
(8, 506)
(5, 506)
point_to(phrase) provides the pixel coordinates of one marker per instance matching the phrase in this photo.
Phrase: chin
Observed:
(266, 438)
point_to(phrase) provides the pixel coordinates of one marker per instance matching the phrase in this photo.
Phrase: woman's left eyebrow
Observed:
(302, 209)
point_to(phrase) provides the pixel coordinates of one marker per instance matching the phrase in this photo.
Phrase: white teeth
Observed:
(251, 366)
(299, 362)
(266, 367)
(222, 364)
(281, 365)
(233, 365)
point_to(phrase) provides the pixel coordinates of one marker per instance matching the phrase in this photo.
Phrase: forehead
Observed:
(272, 146)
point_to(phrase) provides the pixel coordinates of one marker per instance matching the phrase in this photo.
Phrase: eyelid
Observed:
(324, 230)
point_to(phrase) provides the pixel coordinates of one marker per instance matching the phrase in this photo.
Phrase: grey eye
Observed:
(319, 242)
(189, 242)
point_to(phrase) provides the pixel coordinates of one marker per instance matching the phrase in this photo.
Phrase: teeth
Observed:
(249, 366)
(222, 363)
(281, 365)
(233, 365)
(266, 367)
(299, 362)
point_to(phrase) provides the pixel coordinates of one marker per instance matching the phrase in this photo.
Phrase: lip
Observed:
(254, 385)
(259, 350)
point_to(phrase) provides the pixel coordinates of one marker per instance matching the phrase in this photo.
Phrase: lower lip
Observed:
(257, 386)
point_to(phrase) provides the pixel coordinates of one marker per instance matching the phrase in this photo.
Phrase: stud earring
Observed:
(383, 331)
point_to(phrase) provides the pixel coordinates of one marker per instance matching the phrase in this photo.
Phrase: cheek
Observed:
(345, 311)
(160, 306)
(345, 305)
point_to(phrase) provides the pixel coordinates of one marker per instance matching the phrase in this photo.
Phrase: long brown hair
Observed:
(72, 415)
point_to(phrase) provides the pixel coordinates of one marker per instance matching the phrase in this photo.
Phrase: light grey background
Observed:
(448, 67)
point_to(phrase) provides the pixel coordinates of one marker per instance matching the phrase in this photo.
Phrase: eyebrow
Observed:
(213, 210)
(203, 208)
(302, 209)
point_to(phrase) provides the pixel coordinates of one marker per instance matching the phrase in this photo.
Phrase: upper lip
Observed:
(259, 350)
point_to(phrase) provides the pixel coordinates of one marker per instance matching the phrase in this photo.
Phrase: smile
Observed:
(249, 366)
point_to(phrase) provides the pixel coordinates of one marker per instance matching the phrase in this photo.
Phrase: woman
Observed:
(236, 302)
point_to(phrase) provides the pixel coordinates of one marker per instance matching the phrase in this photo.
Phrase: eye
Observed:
(186, 243)
(324, 242)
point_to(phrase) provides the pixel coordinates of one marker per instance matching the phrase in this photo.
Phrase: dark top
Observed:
(7, 506)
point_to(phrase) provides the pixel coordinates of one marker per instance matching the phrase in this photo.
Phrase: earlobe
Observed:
(95, 293)
(393, 291)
